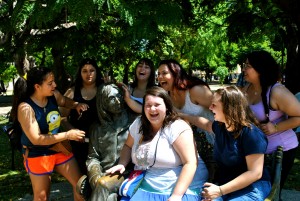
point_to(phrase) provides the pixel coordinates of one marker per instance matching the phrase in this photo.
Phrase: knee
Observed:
(42, 196)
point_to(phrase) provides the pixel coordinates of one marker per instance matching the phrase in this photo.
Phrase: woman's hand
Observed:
(117, 168)
(126, 91)
(81, 107)
(75, 134)
(210, 191)
(268, 128)
(175, 198)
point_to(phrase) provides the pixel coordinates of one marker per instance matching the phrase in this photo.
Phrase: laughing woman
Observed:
(239, 149)
(163, 145)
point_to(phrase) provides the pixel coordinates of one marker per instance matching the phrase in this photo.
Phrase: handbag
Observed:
(130, 185)
(63, 147)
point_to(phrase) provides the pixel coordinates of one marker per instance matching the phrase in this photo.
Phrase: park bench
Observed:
(275, 164)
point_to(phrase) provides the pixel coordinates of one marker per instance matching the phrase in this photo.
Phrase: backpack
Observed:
(14, 132)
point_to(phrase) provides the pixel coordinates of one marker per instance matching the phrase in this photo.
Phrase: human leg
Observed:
(70, 170)
(40, 186)
(287, 164)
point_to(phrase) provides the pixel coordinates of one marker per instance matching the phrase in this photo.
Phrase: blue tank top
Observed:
(48, 119)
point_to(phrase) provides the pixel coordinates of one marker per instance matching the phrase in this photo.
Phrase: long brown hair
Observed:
(171, 114)
(182, 80)
(236, 109)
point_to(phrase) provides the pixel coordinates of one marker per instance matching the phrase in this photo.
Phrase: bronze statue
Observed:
(107, 138)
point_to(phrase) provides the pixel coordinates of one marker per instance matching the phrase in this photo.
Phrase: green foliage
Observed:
(221, 72)
(8, 74)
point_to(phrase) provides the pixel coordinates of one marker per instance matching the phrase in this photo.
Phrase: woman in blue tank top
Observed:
(35, 107)
(144, 78)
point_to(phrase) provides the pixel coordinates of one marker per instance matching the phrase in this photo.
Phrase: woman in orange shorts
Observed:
(35, 107)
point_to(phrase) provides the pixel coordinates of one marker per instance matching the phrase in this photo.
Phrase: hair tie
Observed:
(25, 76)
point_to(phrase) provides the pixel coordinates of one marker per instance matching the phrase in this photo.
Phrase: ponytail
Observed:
(19, 95)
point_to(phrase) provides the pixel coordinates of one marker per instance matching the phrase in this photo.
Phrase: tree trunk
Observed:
(59, 70)
(293, 60)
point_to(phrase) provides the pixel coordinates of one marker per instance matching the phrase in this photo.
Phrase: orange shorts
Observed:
(42, 165)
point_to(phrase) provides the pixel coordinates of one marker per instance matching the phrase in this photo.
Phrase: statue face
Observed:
(115, 100)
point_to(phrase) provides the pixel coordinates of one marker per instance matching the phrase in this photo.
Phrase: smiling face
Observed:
(155, 110)
(217, 108)
(143, 72)
(250, 74)
(88, 74)
(165, 77)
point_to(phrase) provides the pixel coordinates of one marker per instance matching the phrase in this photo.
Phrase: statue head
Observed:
(110, 102)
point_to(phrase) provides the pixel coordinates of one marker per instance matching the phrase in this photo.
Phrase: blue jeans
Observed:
(257, 191)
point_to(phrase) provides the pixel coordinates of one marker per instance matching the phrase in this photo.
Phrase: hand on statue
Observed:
(126, 91)
(117, 168)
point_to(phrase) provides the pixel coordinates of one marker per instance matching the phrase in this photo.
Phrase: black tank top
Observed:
(88, 117)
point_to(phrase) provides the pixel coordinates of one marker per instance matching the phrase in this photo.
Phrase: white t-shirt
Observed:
(143, 155)
(163, 175)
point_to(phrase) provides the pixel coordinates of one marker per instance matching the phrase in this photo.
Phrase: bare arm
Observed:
(63, 101)
(31, 128)
(65, 112)
(255, 164)
(282, 99)
(185, 147)
(125, 156)
(135, 106)
(200, 122)
(201, 95)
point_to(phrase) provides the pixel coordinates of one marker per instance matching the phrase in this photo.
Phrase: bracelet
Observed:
(276, 127)
(67, 135)
(221, 191)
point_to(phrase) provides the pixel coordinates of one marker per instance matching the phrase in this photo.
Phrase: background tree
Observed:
(200, 34)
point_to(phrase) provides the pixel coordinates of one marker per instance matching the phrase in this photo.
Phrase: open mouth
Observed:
(162, 83)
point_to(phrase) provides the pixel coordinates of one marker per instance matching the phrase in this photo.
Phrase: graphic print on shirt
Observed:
(53, 120)
(142, 152)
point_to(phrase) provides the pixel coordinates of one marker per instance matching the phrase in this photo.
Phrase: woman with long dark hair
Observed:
(273, 105)
(87, 80)
(35, 107)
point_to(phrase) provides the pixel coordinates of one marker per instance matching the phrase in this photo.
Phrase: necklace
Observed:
(254, 92)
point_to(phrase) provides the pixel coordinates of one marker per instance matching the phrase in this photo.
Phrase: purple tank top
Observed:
(287, 138)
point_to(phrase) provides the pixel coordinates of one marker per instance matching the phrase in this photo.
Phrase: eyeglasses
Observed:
(246, 66)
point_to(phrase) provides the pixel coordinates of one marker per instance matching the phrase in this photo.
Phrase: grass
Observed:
(16, 184)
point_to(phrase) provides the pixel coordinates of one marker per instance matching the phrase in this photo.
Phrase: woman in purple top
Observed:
(274, 106)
